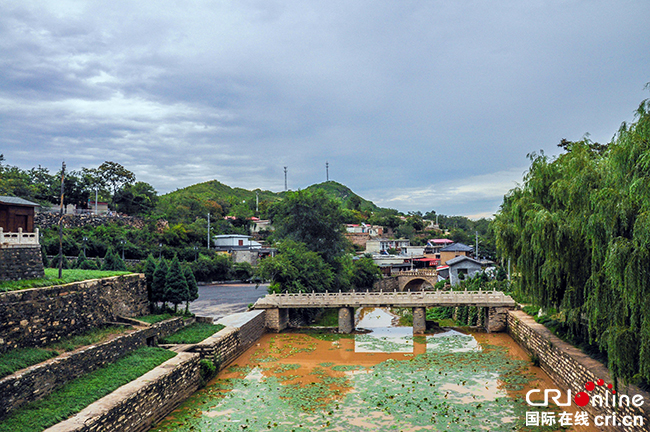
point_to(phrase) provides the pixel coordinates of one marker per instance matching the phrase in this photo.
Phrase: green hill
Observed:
(220, 199)
(343, 194)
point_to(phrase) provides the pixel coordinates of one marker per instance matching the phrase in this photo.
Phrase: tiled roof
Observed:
(457, 247)
(458, 259)
(17, 201)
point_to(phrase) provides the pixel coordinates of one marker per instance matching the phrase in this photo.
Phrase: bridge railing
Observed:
(384, 298)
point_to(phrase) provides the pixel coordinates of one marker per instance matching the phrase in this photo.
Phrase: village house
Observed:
(454, 250)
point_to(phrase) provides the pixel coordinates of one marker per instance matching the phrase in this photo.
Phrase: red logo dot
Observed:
(613, 391)
(590, 386)
(600, 382)
(609, 386)
(582, 399)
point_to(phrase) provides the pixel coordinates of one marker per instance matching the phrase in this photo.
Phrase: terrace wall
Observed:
(19, 263)
(42, 379)
(137, 406)
(39, 316)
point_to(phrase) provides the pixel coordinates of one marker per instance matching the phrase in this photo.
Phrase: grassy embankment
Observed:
(81, 392)
(21, 358)
(192, 334)
(52, 278)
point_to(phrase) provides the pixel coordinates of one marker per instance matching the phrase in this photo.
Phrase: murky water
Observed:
(383, 380)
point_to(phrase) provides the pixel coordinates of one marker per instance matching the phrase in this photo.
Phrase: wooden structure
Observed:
(16, 213)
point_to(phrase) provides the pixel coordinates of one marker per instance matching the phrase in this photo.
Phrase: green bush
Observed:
(208, 370)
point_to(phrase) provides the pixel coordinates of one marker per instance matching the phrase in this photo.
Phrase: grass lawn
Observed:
(81, 392)
(192, 334)
(18, 359)
(52, 278)
(21, 358)
(155, 318)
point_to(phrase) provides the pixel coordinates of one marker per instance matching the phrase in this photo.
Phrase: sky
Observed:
(415, 105)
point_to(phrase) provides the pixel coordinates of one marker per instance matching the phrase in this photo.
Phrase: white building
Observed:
(230, 242)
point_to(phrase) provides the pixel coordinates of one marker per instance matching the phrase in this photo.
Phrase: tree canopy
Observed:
(311, 218)
(578, 232)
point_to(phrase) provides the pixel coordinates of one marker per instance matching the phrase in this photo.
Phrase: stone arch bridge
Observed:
(495, 304)
(409, 280)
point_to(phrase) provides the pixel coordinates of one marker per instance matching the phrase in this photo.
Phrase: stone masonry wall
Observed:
(48, 220)
(386, 284)
(18, 263)
(571, 369)
(40, 380)
(134, 407)
(36, 317)
(232, 341)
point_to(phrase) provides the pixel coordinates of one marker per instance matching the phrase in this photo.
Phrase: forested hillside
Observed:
(578, 234)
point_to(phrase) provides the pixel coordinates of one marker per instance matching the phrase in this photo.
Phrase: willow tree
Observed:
(578, 231)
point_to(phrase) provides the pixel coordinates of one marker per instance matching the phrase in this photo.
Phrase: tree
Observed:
(365, 273)
(137, 199)
(112, 261)
(577, 232)
(192, 287)
(81, 258)
(176, 289)
(313, 219)
(159, 282)
(149, 270)
(242, 271)
(296, 269)
(115, 175)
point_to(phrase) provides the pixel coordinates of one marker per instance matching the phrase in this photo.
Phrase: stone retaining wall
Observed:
(239, 334)
(48, 220)
(19, 263)
(40, 380)
(571, 369)
(134, 407)
(37, 317)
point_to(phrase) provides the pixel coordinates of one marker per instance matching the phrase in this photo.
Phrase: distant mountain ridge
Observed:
(216, 191)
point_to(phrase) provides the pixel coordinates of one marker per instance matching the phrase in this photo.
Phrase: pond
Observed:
(382, 380)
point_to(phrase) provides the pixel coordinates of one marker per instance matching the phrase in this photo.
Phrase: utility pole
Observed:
(208, 231)
(61, 222)
(476, 250)
(257, 202)
(327, 170)
(285, 179)
(96, 193)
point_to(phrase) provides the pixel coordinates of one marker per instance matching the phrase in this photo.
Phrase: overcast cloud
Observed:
(416, 105)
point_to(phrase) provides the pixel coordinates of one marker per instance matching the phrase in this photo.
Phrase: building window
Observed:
(241, 242)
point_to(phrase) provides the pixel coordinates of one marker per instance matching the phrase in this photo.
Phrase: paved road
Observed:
(224, 299)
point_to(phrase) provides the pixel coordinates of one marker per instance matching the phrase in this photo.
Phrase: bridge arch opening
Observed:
(417, 284)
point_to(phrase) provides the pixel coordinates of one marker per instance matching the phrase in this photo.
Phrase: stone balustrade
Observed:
(392, 299)
(428, 272)
(19, 239)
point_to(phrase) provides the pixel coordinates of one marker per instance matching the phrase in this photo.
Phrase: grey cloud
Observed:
(406, 96)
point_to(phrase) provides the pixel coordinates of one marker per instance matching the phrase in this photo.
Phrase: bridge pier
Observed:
(495, 319)
(419, 320)
(277, 319)
(346, 320)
